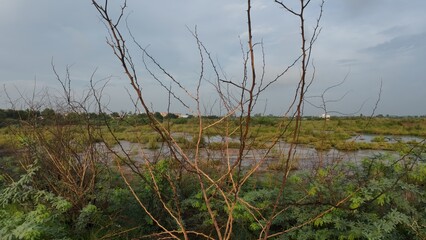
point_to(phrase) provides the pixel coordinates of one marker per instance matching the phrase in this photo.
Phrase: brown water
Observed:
(368, 138)
(307, 157)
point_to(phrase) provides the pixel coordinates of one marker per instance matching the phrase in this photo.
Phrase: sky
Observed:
(374, 50)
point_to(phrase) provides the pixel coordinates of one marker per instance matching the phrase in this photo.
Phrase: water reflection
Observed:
(307, 157)
(369, 138)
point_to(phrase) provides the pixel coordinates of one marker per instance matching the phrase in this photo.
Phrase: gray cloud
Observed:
(373, 40)
(406, 44)
(347, 62)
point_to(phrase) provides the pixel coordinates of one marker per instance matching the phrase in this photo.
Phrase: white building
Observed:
(325, 116)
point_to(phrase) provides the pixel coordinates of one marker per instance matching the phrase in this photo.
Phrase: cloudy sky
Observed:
(371, 42)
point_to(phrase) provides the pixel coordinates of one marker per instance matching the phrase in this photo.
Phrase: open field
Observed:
(332, 182)
(341, 133)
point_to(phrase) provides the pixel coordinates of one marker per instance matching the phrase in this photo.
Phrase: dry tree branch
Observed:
(242, 103)
(117, 43)
(303, 85)
(324, 101)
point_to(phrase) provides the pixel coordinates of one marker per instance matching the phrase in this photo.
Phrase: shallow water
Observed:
(368, 138)
(307, 157)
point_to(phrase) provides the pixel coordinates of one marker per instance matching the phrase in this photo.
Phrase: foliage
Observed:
(384, 194)
(28, 213)
(386, 201)
(235, 176)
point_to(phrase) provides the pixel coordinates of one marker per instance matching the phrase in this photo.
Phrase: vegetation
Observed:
(380, 197)
(342, 133)
(72, 170)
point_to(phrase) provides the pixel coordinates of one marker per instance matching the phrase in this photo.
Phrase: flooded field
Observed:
(369, 138)
(306, 157)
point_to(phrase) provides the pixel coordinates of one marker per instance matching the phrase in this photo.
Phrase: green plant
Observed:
(28, 213)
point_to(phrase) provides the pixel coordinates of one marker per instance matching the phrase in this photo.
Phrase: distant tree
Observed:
(158, 116)
(171, 116)
(115, 115)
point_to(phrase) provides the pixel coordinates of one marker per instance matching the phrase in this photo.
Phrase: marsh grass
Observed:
(317, 133)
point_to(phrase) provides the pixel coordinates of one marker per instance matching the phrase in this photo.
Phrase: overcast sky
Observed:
(370, 41)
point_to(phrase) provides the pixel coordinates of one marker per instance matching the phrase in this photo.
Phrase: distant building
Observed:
(325, 116)
(180, 115)
(176, 115)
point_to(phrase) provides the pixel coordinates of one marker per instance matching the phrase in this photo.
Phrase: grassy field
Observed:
(318, 133)
(379, 187)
